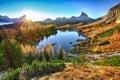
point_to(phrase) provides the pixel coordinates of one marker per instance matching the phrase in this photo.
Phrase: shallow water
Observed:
(64, 38)
(5, 23)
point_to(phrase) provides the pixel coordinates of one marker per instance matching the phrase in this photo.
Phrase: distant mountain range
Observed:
(113, 14)
(84, 18)
(7, 19)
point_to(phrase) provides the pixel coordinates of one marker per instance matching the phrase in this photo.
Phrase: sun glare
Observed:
(34, 15)
(30, 14)
(28, 18)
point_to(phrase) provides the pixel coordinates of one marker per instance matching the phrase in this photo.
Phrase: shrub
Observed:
(12, 74)
(60, 60)
(80, 60)
(73, 50)
(75, 61)
(35, 69)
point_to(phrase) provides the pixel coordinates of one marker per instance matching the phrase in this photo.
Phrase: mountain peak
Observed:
(113, 14)
(83, 14)
(48, 20)
(23, 17)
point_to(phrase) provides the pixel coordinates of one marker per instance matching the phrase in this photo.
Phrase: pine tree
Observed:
(46, 57)
(29, 58)
(60, 53)
(11, 53)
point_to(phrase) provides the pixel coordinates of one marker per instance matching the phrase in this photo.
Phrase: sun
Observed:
(30, 15)
(35, 15)
(27, 18)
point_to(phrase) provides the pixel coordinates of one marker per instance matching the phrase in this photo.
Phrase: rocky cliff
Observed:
(113, 14)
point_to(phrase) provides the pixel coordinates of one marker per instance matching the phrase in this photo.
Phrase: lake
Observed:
(5, 23)
(67, 39)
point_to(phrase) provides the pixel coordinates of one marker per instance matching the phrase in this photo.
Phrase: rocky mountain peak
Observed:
(113, 14)
(83, 14)
(48, 20)
(23, 17)
(4, 18)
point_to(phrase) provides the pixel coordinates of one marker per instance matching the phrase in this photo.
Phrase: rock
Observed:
(44, 78)
(113, 14)
(2, 74)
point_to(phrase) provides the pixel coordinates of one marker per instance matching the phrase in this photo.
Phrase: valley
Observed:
(75, 48)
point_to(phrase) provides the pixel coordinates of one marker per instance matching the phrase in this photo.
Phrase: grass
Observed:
(108, 32)
(104, 42)
(113, 61)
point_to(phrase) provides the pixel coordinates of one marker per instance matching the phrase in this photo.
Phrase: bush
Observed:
(12, 74)
(60, 61)
(37, 68)
(79, 60)
(105, 42)
(73, 50)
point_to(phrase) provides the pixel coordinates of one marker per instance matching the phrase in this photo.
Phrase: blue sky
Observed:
(41, 9)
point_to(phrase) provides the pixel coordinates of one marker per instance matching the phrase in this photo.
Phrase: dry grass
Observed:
(92, 29)
(88, 72)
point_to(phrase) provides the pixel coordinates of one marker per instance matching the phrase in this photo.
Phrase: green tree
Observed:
(60, 53)
(29, 58)
(46, 57)
(11, 54)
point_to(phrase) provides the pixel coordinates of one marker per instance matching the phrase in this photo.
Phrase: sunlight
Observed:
(118, 21)
(27, 18)
(28, 22)
(35, 15)
(30, 15)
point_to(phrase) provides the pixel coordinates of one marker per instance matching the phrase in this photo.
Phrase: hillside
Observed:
(96, 57)
(104, 34)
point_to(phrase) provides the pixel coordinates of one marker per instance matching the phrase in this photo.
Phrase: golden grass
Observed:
(87, 72)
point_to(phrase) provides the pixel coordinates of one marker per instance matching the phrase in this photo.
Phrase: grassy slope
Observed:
(88, 72)
(99, 32)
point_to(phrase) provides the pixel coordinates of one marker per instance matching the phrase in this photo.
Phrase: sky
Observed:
(42, 9)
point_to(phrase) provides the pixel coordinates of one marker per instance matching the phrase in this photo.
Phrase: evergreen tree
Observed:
(60, 53)
(11, 54)
(46, 57)
(29, 58)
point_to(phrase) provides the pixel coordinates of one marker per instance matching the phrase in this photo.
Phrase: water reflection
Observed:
(64, 38)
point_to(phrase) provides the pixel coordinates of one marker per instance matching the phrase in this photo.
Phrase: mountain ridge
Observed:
(84, 18)
(7, 19)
